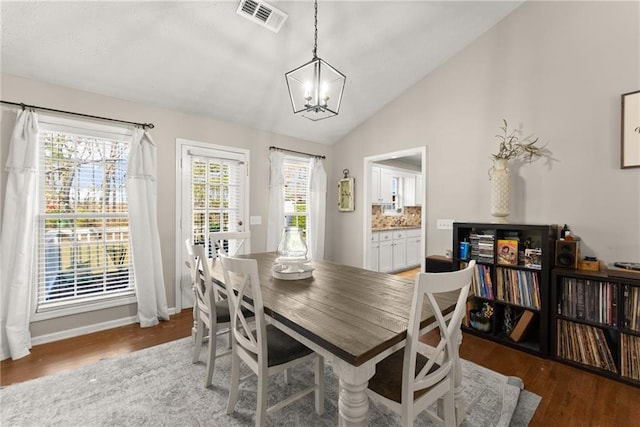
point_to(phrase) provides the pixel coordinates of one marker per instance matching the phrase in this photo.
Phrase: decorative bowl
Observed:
(479, 322)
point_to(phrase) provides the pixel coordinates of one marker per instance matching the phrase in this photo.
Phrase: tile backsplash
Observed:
(411, 216)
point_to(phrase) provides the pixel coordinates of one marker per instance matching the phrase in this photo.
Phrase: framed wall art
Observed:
(630, 144)
(346, 201)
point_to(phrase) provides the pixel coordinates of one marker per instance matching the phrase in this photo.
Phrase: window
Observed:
(83, 222)
(296, 178)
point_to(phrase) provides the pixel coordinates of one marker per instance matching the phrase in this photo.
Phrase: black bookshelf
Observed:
(513, 274)
(595, 324)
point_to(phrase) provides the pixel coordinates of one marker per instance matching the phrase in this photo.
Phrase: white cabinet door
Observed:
(419, 190)
(375, 185)
(413, 251)
(386, 185)
(409, 193)
(399, 254)
(399, 250)
(385, 256)
(375, 251)
(375, 256)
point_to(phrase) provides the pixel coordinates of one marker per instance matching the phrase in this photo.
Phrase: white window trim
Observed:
(89, 128)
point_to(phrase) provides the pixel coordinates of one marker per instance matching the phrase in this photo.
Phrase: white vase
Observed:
(500, 178)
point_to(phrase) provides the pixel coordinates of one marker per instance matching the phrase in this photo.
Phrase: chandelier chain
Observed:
(315, 42)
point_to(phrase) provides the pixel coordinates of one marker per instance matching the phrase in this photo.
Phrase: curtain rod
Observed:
(35, 107)
(297, 152)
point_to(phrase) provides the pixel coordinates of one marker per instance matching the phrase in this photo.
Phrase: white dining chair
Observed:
(265, 349)
(211, 311)
(408, 382)
(230, 242)
(193, 275)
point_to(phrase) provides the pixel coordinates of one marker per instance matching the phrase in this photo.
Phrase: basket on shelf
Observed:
(479, 320)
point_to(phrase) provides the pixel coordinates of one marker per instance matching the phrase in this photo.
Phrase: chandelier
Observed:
(316, 87)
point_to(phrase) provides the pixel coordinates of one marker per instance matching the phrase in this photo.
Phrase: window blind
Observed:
(83, 224)
(296, 179)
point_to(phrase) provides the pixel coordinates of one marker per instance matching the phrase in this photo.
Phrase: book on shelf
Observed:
(630, 355)
(482, 247)
(591, 300)
(533, 258)
(521, 327)
(584, 344)
(519, 287)
(507, 252)
(481, 282)
(632, 307)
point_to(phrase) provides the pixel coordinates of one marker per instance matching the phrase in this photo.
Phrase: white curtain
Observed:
(16, 237)
(317, 208)
(143, 224)
(275, 219)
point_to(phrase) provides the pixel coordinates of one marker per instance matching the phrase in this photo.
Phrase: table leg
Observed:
(353, 402)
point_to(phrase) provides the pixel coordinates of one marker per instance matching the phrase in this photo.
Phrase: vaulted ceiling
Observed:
(201, 57)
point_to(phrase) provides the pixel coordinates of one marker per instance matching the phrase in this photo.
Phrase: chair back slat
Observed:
(206, 295)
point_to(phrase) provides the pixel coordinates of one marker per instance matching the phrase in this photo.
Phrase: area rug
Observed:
(159, 386)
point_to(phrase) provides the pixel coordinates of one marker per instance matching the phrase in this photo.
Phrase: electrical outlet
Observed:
(445, 224)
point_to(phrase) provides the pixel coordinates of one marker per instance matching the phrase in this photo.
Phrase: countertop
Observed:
(401, 227)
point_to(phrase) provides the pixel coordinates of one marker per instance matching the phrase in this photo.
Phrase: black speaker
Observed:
(567, 253)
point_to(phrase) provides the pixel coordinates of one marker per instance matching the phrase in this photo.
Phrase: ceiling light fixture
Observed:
(316, 87)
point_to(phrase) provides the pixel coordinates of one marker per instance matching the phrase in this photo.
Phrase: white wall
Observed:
(169, 125)
(556, 69)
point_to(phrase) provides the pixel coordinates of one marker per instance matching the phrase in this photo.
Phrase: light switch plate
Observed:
(445, 224)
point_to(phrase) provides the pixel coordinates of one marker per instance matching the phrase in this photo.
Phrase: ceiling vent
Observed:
(262, 13)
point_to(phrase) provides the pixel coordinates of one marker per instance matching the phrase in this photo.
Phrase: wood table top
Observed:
(351, 312)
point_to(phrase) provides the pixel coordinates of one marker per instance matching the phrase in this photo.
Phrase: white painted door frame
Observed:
(366, 208)
(183, 196)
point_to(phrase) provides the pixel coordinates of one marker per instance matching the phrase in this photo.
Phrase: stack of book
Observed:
(630, 352)
(481, 282)
(591, 300)
(518, 287)
(584, 344)
(632, 307)
(482, 247)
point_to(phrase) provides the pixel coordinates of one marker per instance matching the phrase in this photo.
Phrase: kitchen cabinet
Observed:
(382, 185)
(409, 193)
(385, 256)
(413, 247)
(374, 252)
(381, 251)
(412, 194)
(399, 250)
(419, 190)
(395, 250)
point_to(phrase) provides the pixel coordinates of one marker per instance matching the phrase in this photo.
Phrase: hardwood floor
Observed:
(570, 396)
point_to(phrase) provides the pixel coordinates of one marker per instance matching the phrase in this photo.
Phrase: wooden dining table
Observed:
(351, 316)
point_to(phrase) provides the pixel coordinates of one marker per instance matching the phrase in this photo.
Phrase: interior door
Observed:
(213, 198)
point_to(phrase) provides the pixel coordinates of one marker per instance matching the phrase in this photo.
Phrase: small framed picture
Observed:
(346, 201)
(630, 147)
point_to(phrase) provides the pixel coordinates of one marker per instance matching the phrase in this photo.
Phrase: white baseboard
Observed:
(88, 329)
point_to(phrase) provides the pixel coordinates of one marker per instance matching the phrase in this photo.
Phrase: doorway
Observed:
(212, 191)
(414, 159)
